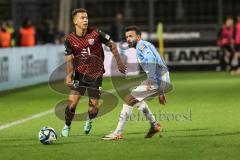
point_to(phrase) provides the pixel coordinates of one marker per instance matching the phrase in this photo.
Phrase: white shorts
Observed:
(141, 93)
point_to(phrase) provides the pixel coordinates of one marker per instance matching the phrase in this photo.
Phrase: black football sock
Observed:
(92, 112)
(69, 115)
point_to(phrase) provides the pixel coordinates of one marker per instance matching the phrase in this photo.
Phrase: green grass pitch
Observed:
(201, 121)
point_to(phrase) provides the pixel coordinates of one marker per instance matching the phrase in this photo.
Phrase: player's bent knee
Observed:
(73, 103)
(73, 100)
(127, 99)
(130, 100)
(93, 102)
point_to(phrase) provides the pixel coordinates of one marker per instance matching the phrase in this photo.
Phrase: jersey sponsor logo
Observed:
(91, 41)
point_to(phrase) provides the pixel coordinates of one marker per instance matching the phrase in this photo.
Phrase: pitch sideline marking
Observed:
(35, 116)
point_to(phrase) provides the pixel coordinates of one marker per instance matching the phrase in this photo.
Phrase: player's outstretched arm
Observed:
(121, 66)
(69, 70)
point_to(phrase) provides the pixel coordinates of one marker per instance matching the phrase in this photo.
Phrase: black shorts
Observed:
(237, 47)
(227, 48)
(82, 83)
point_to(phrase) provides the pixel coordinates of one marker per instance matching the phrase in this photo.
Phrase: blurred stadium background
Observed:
(202, 90)
(186, 23)
(177, 15)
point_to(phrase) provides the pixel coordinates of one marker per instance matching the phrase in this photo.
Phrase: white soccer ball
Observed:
(47, 135)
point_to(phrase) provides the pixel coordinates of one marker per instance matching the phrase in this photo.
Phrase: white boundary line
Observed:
(35, 116)
(41, 114)
(20, 121)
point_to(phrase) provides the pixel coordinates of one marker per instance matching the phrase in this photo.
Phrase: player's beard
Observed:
(132, 44)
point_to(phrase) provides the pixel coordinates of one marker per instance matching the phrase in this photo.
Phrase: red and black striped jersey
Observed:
(87, 51)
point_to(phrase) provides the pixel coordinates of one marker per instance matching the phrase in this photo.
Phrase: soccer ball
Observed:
(47, 135)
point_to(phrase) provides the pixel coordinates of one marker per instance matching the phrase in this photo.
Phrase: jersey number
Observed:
(88, 50)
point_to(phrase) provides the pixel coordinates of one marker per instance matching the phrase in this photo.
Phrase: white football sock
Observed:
(124, 115)
(143, 107)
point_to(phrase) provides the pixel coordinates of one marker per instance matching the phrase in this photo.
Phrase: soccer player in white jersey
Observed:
(156, 84)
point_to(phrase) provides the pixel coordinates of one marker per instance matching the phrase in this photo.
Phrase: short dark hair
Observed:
(78, 10)
(134, 28)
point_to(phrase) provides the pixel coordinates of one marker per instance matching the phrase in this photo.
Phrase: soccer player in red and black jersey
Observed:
(84, 66)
